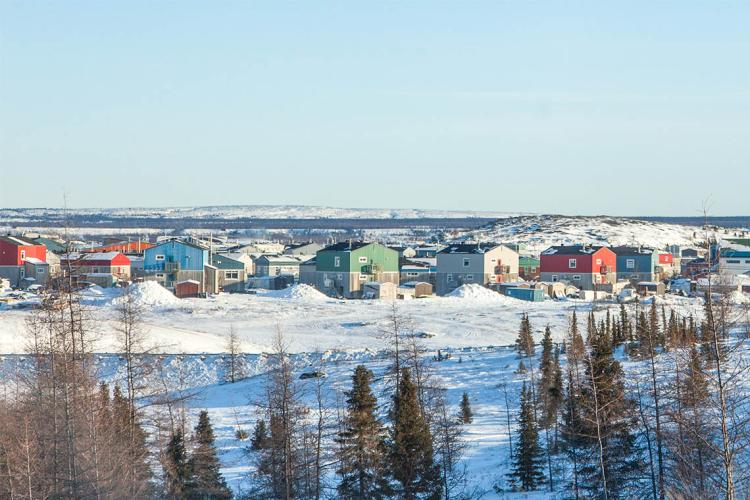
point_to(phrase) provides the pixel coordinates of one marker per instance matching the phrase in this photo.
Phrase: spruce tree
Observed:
(361, 453)
(608, 420)
(259, 441)
(525, 340)
(206, 481)
(176, 468)
(411, 452)
(466, 414)
(576, 345)
(528, 462)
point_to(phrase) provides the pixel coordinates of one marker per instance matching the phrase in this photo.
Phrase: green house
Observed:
(343, 268)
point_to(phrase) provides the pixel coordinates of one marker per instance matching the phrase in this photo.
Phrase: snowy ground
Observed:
(309, 320)
(476, 326)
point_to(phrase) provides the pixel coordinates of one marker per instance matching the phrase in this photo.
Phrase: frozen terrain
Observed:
(541, 231)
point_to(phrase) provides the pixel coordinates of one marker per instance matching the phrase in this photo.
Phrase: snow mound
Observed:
(739, 298)
(151, 294)
(472, 291)
(296, 292)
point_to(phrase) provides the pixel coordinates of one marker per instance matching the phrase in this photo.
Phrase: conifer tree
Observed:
(259, 440)
(608, 422)
(528, 462)
(206, 481)
(176, 468)
(361, 452)
(576, 345)
(525, 340)
(466, 414)
(411, 455)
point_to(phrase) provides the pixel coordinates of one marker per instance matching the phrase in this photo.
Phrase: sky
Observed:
(621, 108)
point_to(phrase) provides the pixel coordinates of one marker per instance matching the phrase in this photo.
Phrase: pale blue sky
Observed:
(571, 107)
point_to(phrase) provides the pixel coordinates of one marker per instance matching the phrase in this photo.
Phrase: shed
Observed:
(187, 288)
(650, 288)
(377, 290)
(529, 294)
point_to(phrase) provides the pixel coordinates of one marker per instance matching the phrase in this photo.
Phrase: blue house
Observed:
(175, 261)
(636, 263)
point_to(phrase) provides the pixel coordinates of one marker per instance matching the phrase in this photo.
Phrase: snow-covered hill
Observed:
(541, 231)
(21, 215)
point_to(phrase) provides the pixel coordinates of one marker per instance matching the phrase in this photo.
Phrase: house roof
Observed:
(729, 254)
(346, 246)
(18, 241)
(573, 249)
(181, 242)
(278, 260)
(224, 262)
(52, 245)
(92, 256)
(625, 250)
(469, 248)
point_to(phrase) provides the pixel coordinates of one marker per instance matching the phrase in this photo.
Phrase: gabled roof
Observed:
(181, 242)
(469, 248)
(625, 250)
(224, 262)
(573, 249)
(52, 245)
(346, 246)
(18, 241)
(278, 260)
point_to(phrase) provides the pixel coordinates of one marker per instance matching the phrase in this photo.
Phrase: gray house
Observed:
(276, 265)
(480, 263)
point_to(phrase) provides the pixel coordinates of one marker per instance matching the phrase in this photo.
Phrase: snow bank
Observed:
(152, 295)
(472, 291)
(296, 292)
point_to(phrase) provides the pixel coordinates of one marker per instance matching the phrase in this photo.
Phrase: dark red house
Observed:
(584, 266)
(22, 259)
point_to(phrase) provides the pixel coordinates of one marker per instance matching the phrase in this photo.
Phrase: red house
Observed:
(22, 261)
(584, 266)
(104, 269)
(126, 247)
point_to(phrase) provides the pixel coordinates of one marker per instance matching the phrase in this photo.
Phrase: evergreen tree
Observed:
(528, 462)
(206, 481)
(466, 414)
(176, 468)
(411, 455)
(525, 340)
(576, 345)
(361, 452)
(608, 421)
(259, 441)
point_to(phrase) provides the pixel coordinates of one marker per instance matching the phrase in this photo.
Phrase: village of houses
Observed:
(193, 266)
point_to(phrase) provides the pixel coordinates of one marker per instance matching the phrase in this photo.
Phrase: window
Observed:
(412, 274)
(630, 263)
(159, 275)
(159, 257)
(733, 261)
(22, 272)
(572, 263)
(469, 277)
(23, 254)
(554, 277)
(340, 276)
(467, 262)
(232, 275)
(363, 260)
(449, 278)
(598, 262)
(576, 277)
(337, 261)
(362, 277)
(40, 270)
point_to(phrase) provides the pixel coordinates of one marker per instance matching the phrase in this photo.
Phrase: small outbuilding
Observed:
(528, 294)
(377, 290)
(187, 288)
